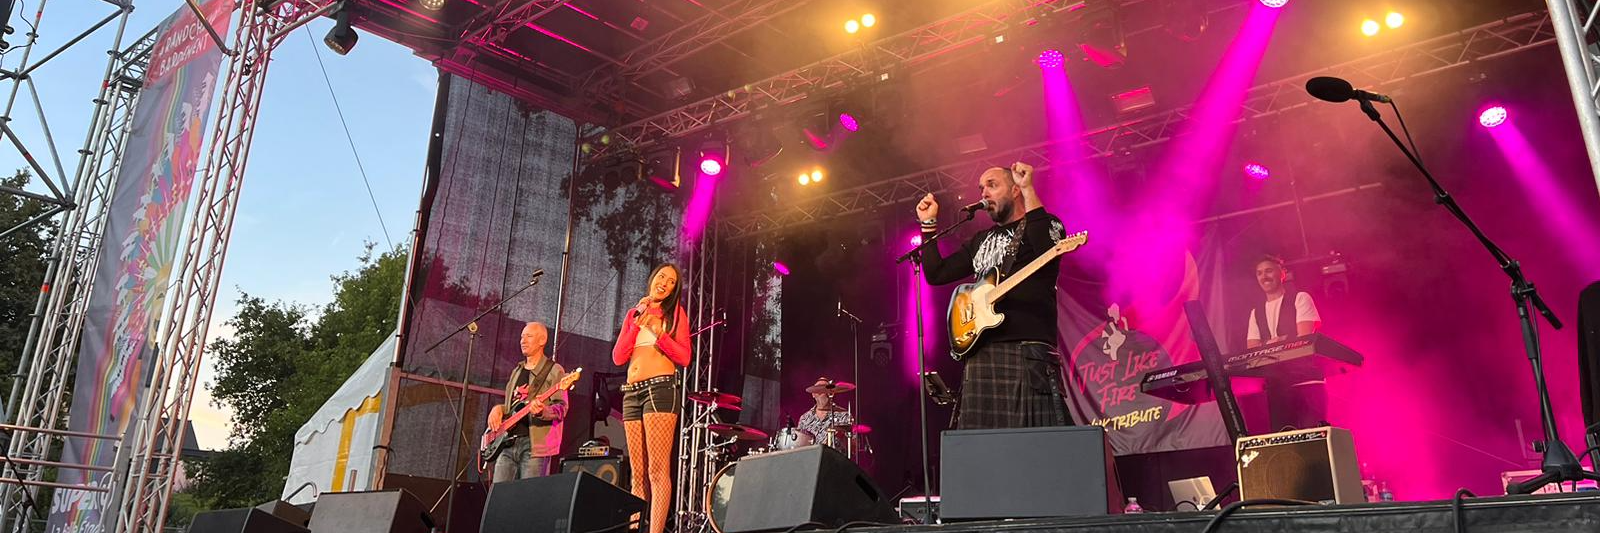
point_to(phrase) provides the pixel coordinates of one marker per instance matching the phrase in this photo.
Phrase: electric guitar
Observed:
(972, 305)
(496, 438)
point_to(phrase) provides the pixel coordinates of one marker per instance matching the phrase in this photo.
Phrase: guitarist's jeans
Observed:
(1012, 384)
(516, 463)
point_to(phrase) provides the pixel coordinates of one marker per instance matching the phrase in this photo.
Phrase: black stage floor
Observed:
(1556, 513)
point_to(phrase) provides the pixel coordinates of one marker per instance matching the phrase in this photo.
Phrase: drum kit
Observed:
(736, 441)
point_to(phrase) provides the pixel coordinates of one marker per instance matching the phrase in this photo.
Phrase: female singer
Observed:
(654, 342)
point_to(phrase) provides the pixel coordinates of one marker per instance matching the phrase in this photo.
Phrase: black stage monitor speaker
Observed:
(1315, 465)
(1026, 473)
(780, 490)
(570, 502)
(294, 514)
(613, 470)
(247, 520)
(384, 511)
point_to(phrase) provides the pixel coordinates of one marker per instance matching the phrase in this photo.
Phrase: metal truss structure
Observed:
(1574, 22)
(698, 459)
(1507, 36)
(61, 195)
(906, 49)
(34, 404)
(141, 497)
(684, 41)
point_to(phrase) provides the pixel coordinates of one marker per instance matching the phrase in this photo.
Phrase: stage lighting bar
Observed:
(1510, 35)
(908, 48)
(855, 25)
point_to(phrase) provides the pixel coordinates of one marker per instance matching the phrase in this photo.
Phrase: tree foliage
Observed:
(21, 271)
(281, 364)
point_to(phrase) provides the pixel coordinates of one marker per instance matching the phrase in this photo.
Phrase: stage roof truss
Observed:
(1506, 36)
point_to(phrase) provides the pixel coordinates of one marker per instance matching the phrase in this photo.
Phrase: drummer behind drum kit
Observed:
(735, 440)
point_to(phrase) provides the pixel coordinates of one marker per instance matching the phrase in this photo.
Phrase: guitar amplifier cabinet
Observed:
(1316, 465)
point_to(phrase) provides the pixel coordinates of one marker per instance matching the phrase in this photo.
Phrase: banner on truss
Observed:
(137, 252)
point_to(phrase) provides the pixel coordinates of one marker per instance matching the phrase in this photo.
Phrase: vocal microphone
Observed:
(980, 204)
(1338, 90)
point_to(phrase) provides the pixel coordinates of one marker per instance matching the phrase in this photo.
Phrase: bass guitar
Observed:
(497, 437)
(972, 306)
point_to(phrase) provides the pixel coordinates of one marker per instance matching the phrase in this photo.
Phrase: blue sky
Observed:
(303, 212)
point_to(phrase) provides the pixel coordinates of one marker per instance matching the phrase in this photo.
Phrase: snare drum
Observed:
(791, 438)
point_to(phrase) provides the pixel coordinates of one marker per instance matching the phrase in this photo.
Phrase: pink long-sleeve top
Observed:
(675, 346)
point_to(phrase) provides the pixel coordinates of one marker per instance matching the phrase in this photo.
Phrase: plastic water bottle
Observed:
(1133, 506)
(1383, 492)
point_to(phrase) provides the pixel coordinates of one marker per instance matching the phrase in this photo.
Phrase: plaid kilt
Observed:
(1012, 385)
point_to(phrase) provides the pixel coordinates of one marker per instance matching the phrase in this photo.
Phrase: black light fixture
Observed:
(342, 37)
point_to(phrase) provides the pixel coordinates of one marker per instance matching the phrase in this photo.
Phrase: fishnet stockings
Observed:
(652, 469)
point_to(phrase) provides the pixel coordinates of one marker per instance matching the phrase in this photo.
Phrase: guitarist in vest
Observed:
(1012, 377)
(1294, 400)
(532, 454)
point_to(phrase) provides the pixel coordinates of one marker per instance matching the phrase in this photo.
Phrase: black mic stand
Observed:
(471, 327)
(1559, 463)
(922, 357)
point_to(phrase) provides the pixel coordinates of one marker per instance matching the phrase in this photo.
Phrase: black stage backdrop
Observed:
(496, 212)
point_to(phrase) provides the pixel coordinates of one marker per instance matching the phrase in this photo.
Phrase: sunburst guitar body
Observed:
(972, 305)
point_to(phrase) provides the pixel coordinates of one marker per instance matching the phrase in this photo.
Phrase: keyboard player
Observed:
(1294, 399)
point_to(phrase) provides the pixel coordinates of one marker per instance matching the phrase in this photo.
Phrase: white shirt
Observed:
(1305, 311)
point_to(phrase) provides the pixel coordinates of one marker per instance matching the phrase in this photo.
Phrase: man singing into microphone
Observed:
(1012, 378)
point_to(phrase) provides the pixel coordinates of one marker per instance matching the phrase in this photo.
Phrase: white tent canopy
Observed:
(333, 450)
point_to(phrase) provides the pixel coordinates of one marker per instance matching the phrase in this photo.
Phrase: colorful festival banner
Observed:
(137, 254)
(1111, 338)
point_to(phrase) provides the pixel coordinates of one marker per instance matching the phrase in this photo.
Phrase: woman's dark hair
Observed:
(669, 305)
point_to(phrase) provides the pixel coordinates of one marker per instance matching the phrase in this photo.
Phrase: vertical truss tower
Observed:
(1574, 21)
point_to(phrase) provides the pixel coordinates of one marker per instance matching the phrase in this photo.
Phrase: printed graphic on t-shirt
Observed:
(992, 252)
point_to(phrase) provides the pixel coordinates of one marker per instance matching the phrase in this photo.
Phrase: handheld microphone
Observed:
(980, 204)
(1338, 90)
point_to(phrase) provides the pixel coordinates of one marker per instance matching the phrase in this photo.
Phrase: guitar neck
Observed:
(1068, 244)
(1016, 279)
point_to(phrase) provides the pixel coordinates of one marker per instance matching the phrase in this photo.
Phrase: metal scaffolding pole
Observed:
(142, 493)
(1579, 55)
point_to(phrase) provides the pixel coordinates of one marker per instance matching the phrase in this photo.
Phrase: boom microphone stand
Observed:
(1559, 463)
(471, 327)
(922, 356)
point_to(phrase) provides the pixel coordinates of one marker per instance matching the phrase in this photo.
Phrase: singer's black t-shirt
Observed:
(1030, 308)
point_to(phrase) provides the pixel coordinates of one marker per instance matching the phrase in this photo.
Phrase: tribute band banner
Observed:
(137, 253)
(1109, 342)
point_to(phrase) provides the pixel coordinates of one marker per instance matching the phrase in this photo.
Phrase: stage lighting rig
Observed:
(342, 38)
(433, 5)
(1102, 40)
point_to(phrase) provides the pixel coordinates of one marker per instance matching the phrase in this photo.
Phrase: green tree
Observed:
(21, 271)
(280, 366)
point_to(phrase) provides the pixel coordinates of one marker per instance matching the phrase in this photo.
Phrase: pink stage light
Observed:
(1257, 171)
(783, 270)
(1274, 3)
(710, 166)
(916, 240)
(1051, 58)
(849, 122)
(1493, 116)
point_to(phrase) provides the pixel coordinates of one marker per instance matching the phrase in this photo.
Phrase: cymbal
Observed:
(836, 387)
(859, 429)
(722, 399)
(737, 431)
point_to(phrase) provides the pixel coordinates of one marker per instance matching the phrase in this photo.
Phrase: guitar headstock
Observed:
(569, 380)
(1070, 242)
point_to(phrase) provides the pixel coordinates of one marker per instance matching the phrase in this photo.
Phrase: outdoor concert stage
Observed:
(1554, 513)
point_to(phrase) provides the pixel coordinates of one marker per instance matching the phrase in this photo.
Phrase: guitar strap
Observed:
(534, 386)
